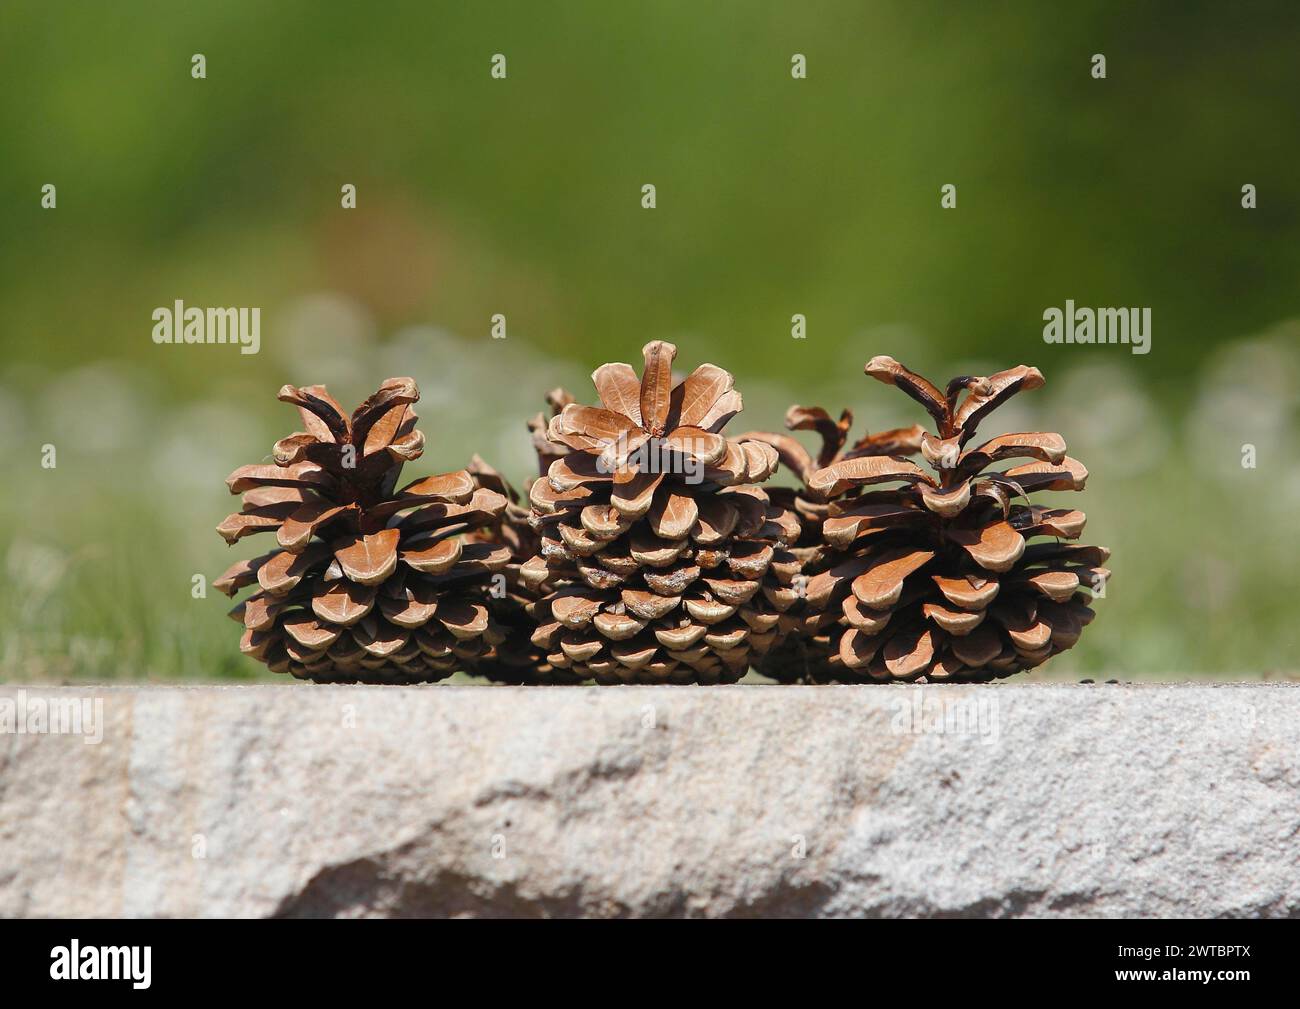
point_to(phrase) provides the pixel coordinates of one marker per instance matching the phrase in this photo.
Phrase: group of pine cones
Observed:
(653, 548)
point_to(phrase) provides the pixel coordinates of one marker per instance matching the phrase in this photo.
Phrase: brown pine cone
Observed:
(367, 583)
(807, 643)
(516, 659)
(935, 578)
(662, 560)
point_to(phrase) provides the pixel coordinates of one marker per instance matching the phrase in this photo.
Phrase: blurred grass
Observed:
(521, 196)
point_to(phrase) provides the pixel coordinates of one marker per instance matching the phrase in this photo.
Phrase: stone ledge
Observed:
(1012, 799)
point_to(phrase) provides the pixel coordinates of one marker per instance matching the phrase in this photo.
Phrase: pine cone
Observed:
(512, 657)
(807, 645)
(935, 578)
(517, 660)
(368, 583)
(661, 561)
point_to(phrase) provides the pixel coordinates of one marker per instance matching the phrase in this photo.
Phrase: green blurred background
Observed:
(521, 196)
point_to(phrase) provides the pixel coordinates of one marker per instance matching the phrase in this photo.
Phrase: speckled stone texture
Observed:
(1010, 799)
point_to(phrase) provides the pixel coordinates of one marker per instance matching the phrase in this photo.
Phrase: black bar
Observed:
(958, 957)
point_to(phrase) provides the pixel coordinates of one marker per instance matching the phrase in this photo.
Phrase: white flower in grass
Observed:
(1110, 417)
(1247, 398)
